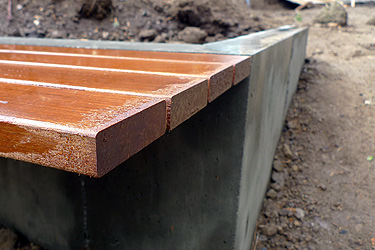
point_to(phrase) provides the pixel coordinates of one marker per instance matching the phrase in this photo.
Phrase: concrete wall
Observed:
(273, 81)
(198, 187)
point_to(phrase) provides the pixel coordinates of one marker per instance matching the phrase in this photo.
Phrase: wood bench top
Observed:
(89, 110)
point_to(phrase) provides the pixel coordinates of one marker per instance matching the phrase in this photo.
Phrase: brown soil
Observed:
(321, 192)
(328, 197)
(124, 20)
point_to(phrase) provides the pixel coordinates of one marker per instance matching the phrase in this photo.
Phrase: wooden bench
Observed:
(88, 110)
(210, 114)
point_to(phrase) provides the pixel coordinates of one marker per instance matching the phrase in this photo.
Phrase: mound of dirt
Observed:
(125, 20)
(334, 13)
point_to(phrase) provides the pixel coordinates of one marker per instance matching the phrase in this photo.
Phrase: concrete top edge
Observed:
(253, 43)
(243, 45)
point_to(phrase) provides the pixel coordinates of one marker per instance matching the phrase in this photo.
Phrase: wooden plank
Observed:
(185, 95)
(128, 64)
(220, 83)
(64, 128)
(222, 71)
(242, 69)
(87, 111)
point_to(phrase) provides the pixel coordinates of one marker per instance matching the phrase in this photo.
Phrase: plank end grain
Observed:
(242, 70)
(118, 142)
(220, 82)
(187, 103)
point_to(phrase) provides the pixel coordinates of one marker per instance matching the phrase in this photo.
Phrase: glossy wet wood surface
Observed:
(87, 110)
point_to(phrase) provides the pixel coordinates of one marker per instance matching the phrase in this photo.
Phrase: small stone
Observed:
(148, 34)
(272, 194)
(192, 35)
(57, 34)
(297, 223)
(278, 177)
(300, 214)
(358, 227)
(36, 22)
(290, 237)
(275, 214)
(278, 166)
(7, 239)
(322, 187)
(269, 230)
(308, 237)
(283, 212)
(210, 39)
(271, 214)
(371, 21)
(219, 37)
(262, 238)
(159, 39)
(295, 168)
(287, 151)
(276, 186)
(293, 123)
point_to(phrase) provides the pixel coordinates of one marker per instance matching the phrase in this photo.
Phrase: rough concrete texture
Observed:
(243, 45)
(273, 80)
(198, 187)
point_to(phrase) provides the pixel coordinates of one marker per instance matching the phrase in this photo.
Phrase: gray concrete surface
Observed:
(273, 80)
(198, 187)
(244, 45)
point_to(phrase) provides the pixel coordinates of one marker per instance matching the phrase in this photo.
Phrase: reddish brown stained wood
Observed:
(87, 111)
(59, 127)
(98, 80)
(221, 82)
(125, 138)
(185, 104)
(242, 69)
(213, 67)
(129, 64)
(182, 102)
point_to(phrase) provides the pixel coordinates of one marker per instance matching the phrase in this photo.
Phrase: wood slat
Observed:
(87, 111)
(73, 130)
(218, 69)
(129, 64)
(184, 95)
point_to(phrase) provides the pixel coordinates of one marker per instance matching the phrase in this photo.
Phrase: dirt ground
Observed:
(321, 191)
(131, 20)
(321, 194)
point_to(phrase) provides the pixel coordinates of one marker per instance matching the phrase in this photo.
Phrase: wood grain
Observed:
(87, 110)
(58, 127)
(167, 87)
